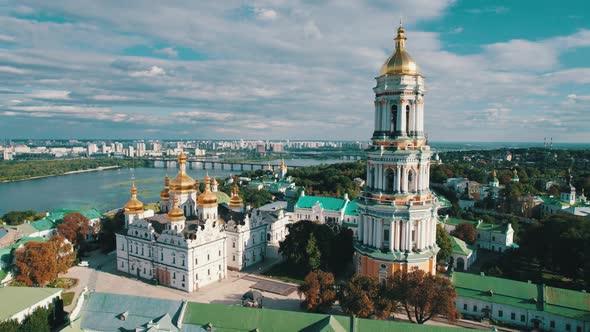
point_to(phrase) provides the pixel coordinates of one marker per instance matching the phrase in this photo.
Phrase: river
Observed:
(104, 190)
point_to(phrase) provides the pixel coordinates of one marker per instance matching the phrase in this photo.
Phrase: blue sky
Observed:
(274, 69)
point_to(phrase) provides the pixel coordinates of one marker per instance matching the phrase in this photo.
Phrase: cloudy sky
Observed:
(298, 69)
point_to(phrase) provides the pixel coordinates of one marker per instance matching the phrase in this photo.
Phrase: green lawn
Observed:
(282, 272)
(65, 283)
(67, 297)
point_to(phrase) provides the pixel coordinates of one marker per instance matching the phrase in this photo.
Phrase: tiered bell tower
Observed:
(398, 213)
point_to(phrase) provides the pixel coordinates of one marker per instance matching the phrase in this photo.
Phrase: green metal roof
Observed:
(460, 247)
(222, 197)
(558, 301)
(17, 299)
(568, 303)
(237, 318)
(327, 203)
(101, 312)
(43, 224)
(352, 208)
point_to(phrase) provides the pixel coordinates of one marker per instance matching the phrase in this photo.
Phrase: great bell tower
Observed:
(398, 213)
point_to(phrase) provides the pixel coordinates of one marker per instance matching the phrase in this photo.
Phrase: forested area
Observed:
(20, 170)
(331, 180)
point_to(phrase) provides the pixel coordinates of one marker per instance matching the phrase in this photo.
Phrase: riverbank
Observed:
(101, 168)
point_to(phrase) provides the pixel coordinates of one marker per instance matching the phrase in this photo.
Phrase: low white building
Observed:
(521, 304)
(494, 237)
(463, 255)
(320, 208)
(29, 299)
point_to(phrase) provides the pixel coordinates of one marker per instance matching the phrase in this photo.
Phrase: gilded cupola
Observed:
(400, 62)
(182, 183)
(176, 213)
(207, 198)
(133, 206)
(235, 201)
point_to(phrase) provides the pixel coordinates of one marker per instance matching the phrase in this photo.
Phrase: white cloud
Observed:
(110, 98)
(61, 109)
(457, 30)
(312, 31)
(169, 51)
(6, 38)
(13, 70)
(51, 94)
(487, 10)
(265, 14)
(152, 72)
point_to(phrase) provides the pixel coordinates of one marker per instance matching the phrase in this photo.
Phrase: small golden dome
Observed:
(133, 206)
(197, 185)
(207, 198)
(164, 195)
(400, 62)
(182, 182)
(236, 201)
(215, 183)
(176, 214)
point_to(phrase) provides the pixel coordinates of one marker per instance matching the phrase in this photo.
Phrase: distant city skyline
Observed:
(496, 71)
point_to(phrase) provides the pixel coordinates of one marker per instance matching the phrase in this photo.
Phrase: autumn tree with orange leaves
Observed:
(423, 295)
(36, 263)
(39, 263)
(74, 227)
(319, 290)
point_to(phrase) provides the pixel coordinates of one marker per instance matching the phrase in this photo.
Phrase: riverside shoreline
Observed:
(101, 168)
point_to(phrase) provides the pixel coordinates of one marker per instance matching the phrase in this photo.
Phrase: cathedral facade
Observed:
(397, 211)
(193, 240)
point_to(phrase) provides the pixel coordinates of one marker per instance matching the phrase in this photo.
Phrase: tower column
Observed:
(405, 177)
(403, 245)
(379, 234)
(401, 116)
(398, 178)
(392, 236)
(411, 119)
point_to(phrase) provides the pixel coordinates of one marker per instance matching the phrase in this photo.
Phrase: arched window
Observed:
(389, 180)
(372, 177)
(393, 119)
(407, 119)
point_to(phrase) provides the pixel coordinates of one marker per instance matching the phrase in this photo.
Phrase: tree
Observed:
(423, 295)
(74, 227)
(465, 231)
(38, 321)
(313, 252)
(65, 255)
(14, 218)
(10, 325)
(444, 242)
(110, 226)
(359, 296)
(319, 291)
(36, 263)
(334, 245)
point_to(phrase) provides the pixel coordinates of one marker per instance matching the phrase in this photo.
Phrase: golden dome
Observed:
(207, 198)
(197, 185)
(176, 214)
(400, 62)
(133, 206)
(215, 183)
(182, 182)
(236, 200)
(164, 195)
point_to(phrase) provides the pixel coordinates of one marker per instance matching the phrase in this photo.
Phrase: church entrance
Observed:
(460, 264)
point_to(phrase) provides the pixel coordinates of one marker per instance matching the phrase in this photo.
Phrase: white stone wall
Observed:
(20, 316)
(514, 315)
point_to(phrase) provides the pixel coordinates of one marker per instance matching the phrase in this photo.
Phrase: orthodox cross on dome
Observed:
(400, 39)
